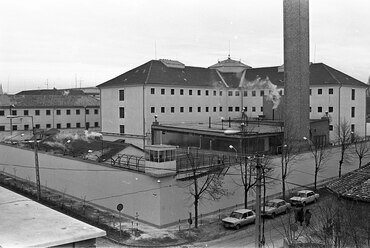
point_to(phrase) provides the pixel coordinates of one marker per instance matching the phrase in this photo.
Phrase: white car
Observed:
(275, 207)
(304, 197)
(239, 218)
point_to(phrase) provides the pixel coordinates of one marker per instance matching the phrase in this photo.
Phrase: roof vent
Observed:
(172, 63)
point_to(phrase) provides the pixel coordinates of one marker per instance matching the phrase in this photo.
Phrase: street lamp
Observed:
(222, 123)
(236, 151)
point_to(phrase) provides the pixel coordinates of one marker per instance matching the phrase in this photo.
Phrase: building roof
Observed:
(26, 223)
(167, 72)
(52, 92)
(44, 101)
(156, 72)
(230, 65)
(354, 185)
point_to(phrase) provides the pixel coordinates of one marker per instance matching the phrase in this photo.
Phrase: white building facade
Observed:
(170, 92)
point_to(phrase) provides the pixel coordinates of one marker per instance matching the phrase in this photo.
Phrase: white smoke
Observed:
(264, 84)
(85, 136)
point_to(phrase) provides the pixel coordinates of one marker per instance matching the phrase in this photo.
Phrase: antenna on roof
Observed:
(229, 51)
(47, 83)
(155, 50)
(314, 55)
(76, 80)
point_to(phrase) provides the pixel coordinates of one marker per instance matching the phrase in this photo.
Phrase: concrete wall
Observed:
(157, 202)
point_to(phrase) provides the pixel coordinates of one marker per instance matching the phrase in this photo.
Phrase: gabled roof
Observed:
(354, 185)
(156, 72)
(52, 92)
(32, 101)
(230, 65)
(320, 74)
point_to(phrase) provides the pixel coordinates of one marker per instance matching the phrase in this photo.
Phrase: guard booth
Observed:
(160, 160)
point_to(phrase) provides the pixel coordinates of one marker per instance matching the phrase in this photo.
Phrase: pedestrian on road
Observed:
(307, 217)
(300, 216)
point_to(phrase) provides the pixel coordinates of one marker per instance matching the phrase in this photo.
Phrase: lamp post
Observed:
(222, 123)
(236, 151)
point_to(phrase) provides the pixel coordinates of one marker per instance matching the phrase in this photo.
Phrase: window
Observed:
(59, 125)
(199, 92)
(14, 112)
(172, 91)
(172, 109)
(48, 125)
(48, 112)
(237, 93)
(163, 109)
(181, 91)
(68, 125)
(78, 125)
(2, 128)
(353, 127)
(121, 128)
(87, 125)
(181, 109)
(262, 109)
(330, 109)
(152, 109)
(330, 127)
(353, 112)
(237, 109)
(121, 112)
(152, 91)
(310, 109)
(190, 109)
(87, 111)
(281, 92)
(262, 93)
(77, 112)
(68, 111)
(25, 112)
(245, 93)
(230, 93)
(58, 111)
(230, 109)
(319, 109)
(163, 91)
(199, 109)
(310, 91)
(220, 109)
(190, 92)
(220, 92)
(207, 109)
(37, 112)
(15, 128)
(253, 93)
(121, 95)
(319, 91)
(353, 97)
(2, 112)
(26, 127)
(96, 124)
(214, 93)
(245, 109)
(207, 92)
(37, 126)
(253, 109)
(330, 91)
(214, 109)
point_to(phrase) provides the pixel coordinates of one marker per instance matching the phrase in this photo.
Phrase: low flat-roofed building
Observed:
(26, 223)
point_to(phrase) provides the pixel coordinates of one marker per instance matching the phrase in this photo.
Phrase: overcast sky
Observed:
(50, 43)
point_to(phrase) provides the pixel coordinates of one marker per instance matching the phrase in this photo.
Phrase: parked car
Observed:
(275, 207)
(304, 197)
(239, 218)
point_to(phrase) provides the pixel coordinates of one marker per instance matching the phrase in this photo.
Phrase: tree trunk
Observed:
(196, 202)
(340, 167)
(283, 182)
(360, 162)
(316, 172)
(245, 197)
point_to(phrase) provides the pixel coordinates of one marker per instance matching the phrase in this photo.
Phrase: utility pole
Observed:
(37, 166)
(258, 203)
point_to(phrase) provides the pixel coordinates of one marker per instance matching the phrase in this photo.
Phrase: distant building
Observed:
(45, 109)
(174, 93)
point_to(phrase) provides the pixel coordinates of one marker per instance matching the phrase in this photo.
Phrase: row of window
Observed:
(331, 128)
(58, 125)
(331, 92)
(331, 109)
(48, 112)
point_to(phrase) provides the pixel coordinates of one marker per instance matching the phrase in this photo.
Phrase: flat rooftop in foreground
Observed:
(26, 223)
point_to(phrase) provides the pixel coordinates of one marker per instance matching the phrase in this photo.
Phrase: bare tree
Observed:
(207, 181)
(361, 148)
(343, 138)
(320, 154)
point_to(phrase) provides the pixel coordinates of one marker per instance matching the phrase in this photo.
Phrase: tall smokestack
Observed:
(296, 68)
